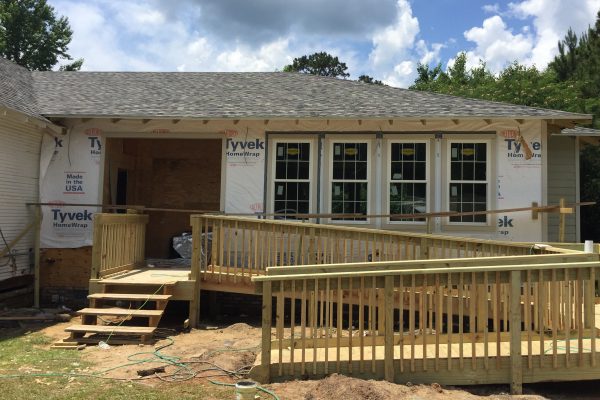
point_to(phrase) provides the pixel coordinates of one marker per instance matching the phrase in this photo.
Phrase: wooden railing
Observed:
(236, 249)
(530, 319)
(119, 243)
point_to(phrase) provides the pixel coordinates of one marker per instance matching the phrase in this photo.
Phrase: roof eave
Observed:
(581, 118)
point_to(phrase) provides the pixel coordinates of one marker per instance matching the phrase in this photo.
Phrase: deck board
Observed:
(150, 276)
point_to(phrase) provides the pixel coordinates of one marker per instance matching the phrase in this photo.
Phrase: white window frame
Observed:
(369, 181)
(390, 180)
(449, 181)
(273, 166)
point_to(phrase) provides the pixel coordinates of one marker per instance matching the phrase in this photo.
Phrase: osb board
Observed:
(65, 267)
(166, 173)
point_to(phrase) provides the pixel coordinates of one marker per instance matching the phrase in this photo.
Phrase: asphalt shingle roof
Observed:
(580, 131)
(16, 88)
(234, 95)
(252, 95)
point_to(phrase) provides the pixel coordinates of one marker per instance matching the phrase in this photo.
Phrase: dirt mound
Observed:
(342, 387)
(230, 360)
(239, 327)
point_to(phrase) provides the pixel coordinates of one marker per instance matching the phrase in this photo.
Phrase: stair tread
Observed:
(120, 312)
(123, 330)
(129, 296)
(123, 282)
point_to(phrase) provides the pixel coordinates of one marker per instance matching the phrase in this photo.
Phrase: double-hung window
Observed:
(407, 180)
(291, 191)
(469, 175)
(349, 179)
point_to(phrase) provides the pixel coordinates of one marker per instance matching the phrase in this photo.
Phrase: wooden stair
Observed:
(130, 326)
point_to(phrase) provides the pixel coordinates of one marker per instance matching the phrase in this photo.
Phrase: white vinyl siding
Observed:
(19, 171)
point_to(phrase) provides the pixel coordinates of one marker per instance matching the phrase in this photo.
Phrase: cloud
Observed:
(491, 8)
(259, 21)
(545, 23)
(496, 44)
(551, 20)
(396, 39)
(396, 49)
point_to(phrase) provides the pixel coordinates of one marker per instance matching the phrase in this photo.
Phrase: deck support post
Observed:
(267, 314)
(516, 361)
(389, 328)
(196, 276)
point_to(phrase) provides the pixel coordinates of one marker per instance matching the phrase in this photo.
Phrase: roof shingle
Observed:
(253, 95)
(16, 88)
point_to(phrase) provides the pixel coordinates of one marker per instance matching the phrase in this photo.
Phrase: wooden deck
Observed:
(143, 280)
(379, 304)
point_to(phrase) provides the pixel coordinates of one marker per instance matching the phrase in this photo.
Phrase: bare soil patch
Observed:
(236, 346)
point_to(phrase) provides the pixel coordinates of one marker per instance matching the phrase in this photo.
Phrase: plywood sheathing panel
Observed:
(65, 268)
(167, 173)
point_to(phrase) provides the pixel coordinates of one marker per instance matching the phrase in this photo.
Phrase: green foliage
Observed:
(578, 62)
(369, 79)
(515, 84)
(590, 191)
(74, 66)
(32, 36)
(322, 63)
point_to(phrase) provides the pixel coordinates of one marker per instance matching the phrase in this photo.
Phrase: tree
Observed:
(369, 79)
(322, 63)
(33, 36)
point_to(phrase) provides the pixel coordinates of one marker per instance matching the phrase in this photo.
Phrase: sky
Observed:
(385, 39)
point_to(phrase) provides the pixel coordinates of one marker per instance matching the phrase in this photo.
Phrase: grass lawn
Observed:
(27, 355)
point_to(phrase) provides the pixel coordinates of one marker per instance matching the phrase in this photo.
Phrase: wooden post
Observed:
(516, 367)
(589, 294)
(267, 313)
(96, 247)
(424, 248)
(389, 328)
(36, 272)
(194, 314)
(561, 222)
(381, 314)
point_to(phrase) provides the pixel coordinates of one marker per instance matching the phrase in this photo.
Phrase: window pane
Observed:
(421, 152)
(480, 171)
(280, 170)
(455, 171)
(480, 152)
(467, 171)
(292, 170)
(420, 168)
(396, 171)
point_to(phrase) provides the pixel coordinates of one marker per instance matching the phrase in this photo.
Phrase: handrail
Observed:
(118, 243)
(451, 263)
(353, 229)
(426, 271)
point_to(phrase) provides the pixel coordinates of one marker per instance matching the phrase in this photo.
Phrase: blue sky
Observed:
(382, 38)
